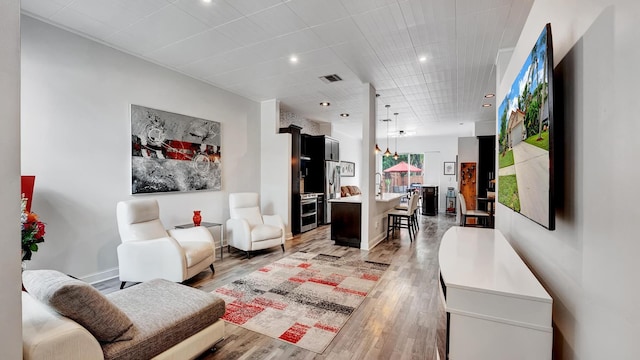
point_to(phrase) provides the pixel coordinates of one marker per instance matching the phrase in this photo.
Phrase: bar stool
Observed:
(416, 206)
(398, 219)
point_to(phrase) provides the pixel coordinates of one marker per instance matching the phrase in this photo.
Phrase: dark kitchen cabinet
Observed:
(486, 167)
(331, 149)
(318, 149)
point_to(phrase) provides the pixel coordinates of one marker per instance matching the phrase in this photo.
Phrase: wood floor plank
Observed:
(402, 318)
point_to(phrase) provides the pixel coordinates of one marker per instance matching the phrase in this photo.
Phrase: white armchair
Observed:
(148, 251)
(248, 229)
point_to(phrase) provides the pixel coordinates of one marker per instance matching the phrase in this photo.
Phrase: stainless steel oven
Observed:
(308, 212)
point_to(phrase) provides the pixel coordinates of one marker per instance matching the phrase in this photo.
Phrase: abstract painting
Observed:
(173, 153)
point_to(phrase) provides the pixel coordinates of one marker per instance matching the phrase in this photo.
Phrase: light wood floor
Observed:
(401, 319)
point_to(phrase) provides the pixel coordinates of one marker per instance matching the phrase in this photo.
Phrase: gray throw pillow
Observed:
(80, 302)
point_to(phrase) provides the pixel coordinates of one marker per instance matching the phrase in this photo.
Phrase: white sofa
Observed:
(167, 320)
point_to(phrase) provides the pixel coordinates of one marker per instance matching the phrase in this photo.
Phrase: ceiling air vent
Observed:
(330, 78)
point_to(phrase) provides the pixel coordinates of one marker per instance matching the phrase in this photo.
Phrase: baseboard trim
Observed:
(101, 276)
(376, 240)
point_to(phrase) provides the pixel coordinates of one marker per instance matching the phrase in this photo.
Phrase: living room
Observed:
(73, 142)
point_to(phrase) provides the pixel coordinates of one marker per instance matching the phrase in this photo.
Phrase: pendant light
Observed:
(395, 155)
(387, 120)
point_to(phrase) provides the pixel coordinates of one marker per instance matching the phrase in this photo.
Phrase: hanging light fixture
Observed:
(387, 120)
(395, 155)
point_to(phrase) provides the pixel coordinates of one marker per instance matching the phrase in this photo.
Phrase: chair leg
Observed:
(414, 221)
(410, 228)
(282, 245)
(248, 254)
(388, 225)
(122, 285)
(212, 269)
(396, 225)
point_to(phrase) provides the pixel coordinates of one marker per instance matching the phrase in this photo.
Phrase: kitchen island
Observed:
(346, 217)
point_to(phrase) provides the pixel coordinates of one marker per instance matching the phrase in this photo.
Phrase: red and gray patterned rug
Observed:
(303, 299)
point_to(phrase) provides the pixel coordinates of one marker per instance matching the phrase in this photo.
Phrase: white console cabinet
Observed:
(496, 308)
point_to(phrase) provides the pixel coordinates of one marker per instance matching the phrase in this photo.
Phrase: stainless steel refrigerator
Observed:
(331, 186)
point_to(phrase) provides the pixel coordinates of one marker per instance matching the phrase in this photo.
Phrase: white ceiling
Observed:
(244, 46)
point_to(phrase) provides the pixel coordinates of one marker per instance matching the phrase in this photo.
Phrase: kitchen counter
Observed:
(346, 217)
(357, 199)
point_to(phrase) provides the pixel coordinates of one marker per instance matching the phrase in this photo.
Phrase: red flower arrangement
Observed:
(32, 232)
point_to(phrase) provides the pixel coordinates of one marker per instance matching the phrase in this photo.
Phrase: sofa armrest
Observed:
(239, 234)
(150, 259)
(49, 335)
(275, 220)
(196, 233)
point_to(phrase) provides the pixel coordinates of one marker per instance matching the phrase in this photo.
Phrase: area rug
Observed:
(303, 299)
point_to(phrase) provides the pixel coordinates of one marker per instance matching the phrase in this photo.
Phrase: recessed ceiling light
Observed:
(325, 103)
(422, 59)
(293, 59)
(344, 115)
(486, 105)
(489, 96)
(206, 1)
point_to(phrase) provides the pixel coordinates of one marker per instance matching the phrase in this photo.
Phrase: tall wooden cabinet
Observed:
(468, 183)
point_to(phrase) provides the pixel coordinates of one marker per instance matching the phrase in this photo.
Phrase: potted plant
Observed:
(32, 231)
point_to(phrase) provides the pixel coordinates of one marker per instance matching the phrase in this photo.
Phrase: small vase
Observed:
(196, 218)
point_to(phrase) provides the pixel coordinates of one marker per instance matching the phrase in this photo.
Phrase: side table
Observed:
(208, 225)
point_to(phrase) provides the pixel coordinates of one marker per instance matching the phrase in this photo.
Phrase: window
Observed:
(402, 174)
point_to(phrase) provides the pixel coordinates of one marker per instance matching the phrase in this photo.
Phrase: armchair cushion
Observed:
(139, 220)
(195, 252)
(251, 214)
(265, 232)
(196, 242)
(80, 302)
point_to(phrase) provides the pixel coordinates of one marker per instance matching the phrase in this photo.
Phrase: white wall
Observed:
(485, 128)
(370, 218)
(76, 140)
(350, 150)
(10, 311)
(589, 263)
(275, 165)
